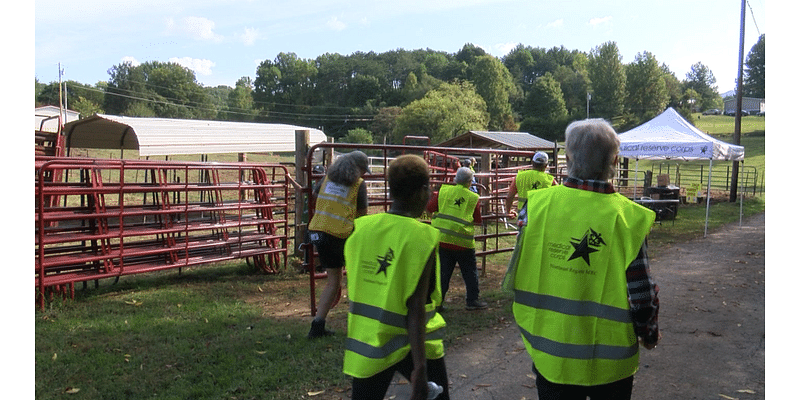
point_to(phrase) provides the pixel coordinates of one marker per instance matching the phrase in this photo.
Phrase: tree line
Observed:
(369, 97)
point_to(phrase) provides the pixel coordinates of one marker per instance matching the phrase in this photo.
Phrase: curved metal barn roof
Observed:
(499, 140)
(165, 136)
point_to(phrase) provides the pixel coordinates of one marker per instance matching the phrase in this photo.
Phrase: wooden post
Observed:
(301, 143)
(486, 165)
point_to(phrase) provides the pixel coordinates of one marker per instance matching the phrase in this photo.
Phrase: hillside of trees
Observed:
(369, 97)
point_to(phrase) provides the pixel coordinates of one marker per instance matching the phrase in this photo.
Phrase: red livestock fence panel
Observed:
(104, 218)
(494, 171)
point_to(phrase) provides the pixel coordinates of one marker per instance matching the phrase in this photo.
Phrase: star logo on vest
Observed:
(460, 201)
(586, 245)
(385, 261)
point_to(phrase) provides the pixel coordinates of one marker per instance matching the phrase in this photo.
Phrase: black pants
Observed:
(448, 258)
(375, 387)
(619, 390)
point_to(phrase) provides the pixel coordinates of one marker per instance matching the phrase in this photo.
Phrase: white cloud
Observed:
(199, 66)
(595, 22)
(505, 48)
(249, 36)
(130, 59)
(198, 28)
(335, 24)
(556, 24)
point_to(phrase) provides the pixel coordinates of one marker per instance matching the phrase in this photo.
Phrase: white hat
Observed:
(540, 158)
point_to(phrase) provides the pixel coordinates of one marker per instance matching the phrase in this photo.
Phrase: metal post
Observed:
(301, 143)
(588, 97)
(737, 131)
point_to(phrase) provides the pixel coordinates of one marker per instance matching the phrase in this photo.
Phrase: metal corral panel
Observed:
(499, 140)
(165, 136)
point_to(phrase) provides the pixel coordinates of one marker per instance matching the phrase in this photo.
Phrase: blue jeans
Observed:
(465, 259)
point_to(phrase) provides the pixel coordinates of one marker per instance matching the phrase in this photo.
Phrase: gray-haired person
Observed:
(455, 209)
(341, 197)
(584, 300)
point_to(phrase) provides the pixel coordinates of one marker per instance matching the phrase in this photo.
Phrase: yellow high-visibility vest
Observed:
(454, 219)
(386, 255)
(528, 180)
(335, 209)
(570, 288)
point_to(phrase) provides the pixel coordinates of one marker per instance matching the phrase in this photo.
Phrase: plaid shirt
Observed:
(642, 290)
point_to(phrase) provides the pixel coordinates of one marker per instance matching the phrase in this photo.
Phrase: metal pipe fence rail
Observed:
(632, 182)
(721, 176)
(494, 173)
(105, 218)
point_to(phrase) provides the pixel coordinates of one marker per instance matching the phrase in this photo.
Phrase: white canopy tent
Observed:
(670, 136)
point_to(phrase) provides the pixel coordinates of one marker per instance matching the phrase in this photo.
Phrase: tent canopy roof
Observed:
(669, 135)
(499, 140)
(165, 136)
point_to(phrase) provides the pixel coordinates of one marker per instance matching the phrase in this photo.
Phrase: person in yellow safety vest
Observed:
(470, 163)
(455, 212)
(341, 197)
(394, 291)
(584, 299)
(527, 180)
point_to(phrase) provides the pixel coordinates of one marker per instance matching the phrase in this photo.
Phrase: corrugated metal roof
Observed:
(42, 121)
(507, 140)
(165, 136)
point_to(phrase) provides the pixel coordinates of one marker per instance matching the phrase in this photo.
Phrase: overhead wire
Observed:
(197, 106)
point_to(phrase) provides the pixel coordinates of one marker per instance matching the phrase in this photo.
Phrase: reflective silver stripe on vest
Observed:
(572, 307)
(336, 199)
(396, 343)
(336, 217)
(580, 351)
(383, 316)
(454, 233)
(386, 318)
(452, 218)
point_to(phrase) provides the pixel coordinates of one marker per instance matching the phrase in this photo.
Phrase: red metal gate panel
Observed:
(106, 218)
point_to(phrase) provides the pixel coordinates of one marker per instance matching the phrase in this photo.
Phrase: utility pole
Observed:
(588, 97)
(737, 130)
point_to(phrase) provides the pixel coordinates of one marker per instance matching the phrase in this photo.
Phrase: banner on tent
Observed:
(666, 150)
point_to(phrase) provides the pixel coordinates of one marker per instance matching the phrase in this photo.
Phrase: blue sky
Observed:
(223, 40)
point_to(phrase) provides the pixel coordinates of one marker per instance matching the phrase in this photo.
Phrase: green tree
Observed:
(72, 91)
(702, 81)
(443, 113)
(358, 135)
(85, 107)
(239, 104)
(546, 112)
(495, 84)
(383, 124)
(755, 76)
(607, 74)
(166, 89)
(575, 85)
(647, 91)
(673, 86)
(284, 88)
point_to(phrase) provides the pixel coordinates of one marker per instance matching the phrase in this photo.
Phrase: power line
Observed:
(297, 116)
(754, 18)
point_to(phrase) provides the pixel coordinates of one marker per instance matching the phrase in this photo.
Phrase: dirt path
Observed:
(712, 320)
